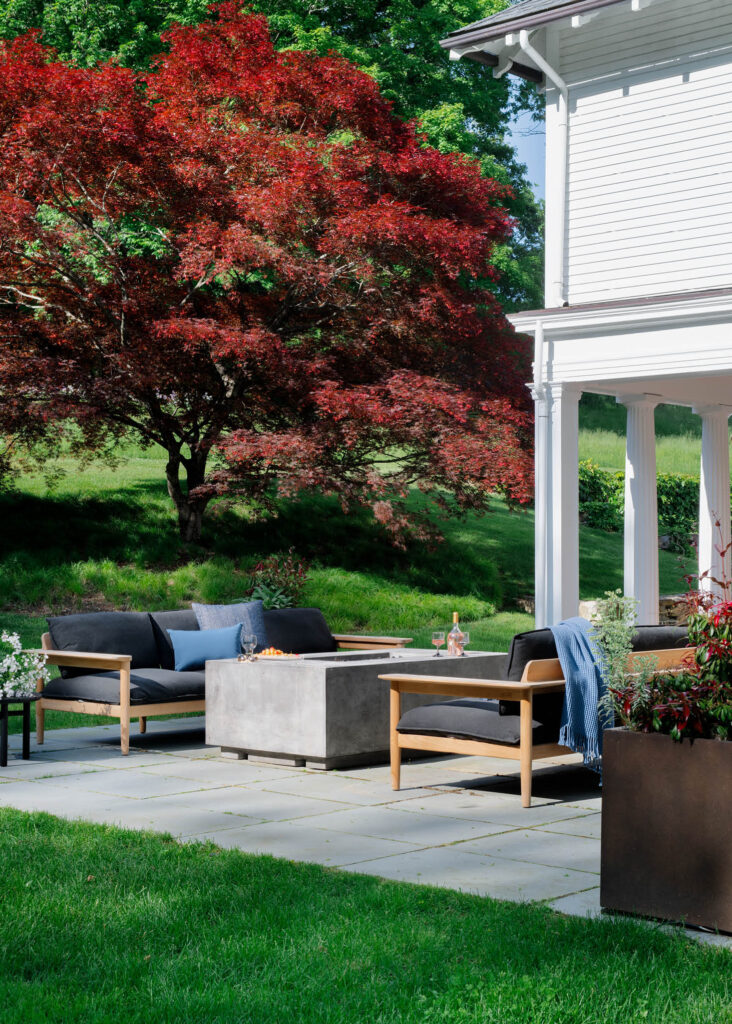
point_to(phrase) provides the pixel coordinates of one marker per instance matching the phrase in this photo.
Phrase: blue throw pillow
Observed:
(249, 613)
(193, 648)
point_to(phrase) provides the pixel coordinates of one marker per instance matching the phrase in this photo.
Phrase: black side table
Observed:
(5, 714)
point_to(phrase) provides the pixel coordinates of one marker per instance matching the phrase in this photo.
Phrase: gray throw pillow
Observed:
(218, 616)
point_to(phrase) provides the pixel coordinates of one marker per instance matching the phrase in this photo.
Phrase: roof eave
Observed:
(486, 33)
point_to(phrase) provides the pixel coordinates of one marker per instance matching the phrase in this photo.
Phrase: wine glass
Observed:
(248, 643)
(465, 641)
(438, 639)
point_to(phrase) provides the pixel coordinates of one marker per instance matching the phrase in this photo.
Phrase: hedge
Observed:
(602, 495)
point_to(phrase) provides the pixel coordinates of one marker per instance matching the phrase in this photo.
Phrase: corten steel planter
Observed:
(667, 828)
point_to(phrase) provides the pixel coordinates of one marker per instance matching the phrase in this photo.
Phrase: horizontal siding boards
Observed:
(650, 152)
(707, 208)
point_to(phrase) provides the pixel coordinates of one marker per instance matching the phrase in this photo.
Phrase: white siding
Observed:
(650, 150)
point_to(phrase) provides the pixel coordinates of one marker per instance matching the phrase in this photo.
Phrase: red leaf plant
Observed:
(696, 701)
(243, 256)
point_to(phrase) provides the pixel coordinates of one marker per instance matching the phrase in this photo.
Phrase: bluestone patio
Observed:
(456, 822)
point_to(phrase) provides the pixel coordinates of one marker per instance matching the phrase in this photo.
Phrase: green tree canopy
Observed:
(459, 104)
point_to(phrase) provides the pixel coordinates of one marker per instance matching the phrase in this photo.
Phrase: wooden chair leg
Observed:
(143, 725)
(124, 710)
(395, 708)
(525, 752)
(40, 723)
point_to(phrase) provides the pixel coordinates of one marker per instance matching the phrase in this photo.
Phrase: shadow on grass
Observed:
(137, 526)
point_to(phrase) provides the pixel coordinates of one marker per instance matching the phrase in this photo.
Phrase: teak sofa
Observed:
(121, 664)
(517, 718)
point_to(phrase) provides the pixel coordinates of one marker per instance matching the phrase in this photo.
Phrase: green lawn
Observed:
(105, 925)
(602, 436)
(680, 454)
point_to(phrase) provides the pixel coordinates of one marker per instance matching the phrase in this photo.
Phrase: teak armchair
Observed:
(539, 677)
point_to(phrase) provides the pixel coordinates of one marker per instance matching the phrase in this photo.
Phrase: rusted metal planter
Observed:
(667, 828)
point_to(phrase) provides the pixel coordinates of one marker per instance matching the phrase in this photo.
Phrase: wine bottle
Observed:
(455, 637)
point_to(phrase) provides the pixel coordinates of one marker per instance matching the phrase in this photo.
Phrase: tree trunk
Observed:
(190, 520)
(190, 510)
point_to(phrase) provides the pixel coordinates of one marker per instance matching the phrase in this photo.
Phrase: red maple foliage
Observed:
(246, 258)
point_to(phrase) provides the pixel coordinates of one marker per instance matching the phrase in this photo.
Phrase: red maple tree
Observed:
(244, 257)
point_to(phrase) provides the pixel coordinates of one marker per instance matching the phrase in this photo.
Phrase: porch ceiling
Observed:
(700, 390)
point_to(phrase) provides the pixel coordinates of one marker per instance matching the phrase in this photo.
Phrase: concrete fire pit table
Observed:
(321, 710)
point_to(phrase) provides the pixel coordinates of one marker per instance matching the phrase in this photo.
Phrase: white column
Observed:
(557, 504)
(542, 569)
(641, 507)
(714, 505)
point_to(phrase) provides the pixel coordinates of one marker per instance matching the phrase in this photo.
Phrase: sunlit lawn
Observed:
(104, 925)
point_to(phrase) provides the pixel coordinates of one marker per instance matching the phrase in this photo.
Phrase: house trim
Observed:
(488, 30)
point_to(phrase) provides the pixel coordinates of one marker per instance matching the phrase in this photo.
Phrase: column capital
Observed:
(564, 392)
(642, 401)
(709, 411)
(538, 392)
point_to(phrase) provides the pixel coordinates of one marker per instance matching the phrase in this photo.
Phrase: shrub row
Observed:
(601, 498)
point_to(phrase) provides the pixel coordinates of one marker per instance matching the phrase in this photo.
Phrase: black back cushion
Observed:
(298, 631)
(105, 633)
(184, 618)
(539, 644)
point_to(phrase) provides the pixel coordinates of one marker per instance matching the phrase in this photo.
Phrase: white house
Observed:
(638, 254)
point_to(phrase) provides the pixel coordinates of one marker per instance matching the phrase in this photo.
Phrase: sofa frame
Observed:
(125, 711)
(539, 677)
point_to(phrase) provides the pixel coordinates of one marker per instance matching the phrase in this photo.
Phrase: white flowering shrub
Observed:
(19, 670)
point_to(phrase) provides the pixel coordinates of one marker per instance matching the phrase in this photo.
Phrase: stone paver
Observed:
(131, 784)
(215, 772)
(538, 847)
(492, 807)
(317, 846)
(258, 804)
(579, 904)
(392, 823)
(167, 814)
(98, 757)
(588, 825)
(328, 786)
(456, 822)
(448, 867)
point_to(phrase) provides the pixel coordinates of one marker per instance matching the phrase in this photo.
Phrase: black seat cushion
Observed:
(539, 644)
(149, 686)
(184, 619)
(298, 631)
(472, 719)
(105, 633)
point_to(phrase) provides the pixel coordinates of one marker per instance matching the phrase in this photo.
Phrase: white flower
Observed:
(20, 670)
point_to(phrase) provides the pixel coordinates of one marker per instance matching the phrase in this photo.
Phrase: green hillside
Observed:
(602, 435)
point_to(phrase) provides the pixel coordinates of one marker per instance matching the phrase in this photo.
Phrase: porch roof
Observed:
(525, 15)
(675, 347)
(626, 303)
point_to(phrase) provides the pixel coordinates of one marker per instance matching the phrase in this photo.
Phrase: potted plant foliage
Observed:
(667, 773)
(20, 670)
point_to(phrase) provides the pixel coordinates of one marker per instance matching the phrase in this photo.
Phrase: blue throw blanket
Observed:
(581, 728)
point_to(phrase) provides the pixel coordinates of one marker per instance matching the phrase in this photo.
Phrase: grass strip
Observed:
(106, 925)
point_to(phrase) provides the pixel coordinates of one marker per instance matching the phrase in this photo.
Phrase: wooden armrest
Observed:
(447, 686)
(86, 659)
(355, 640)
